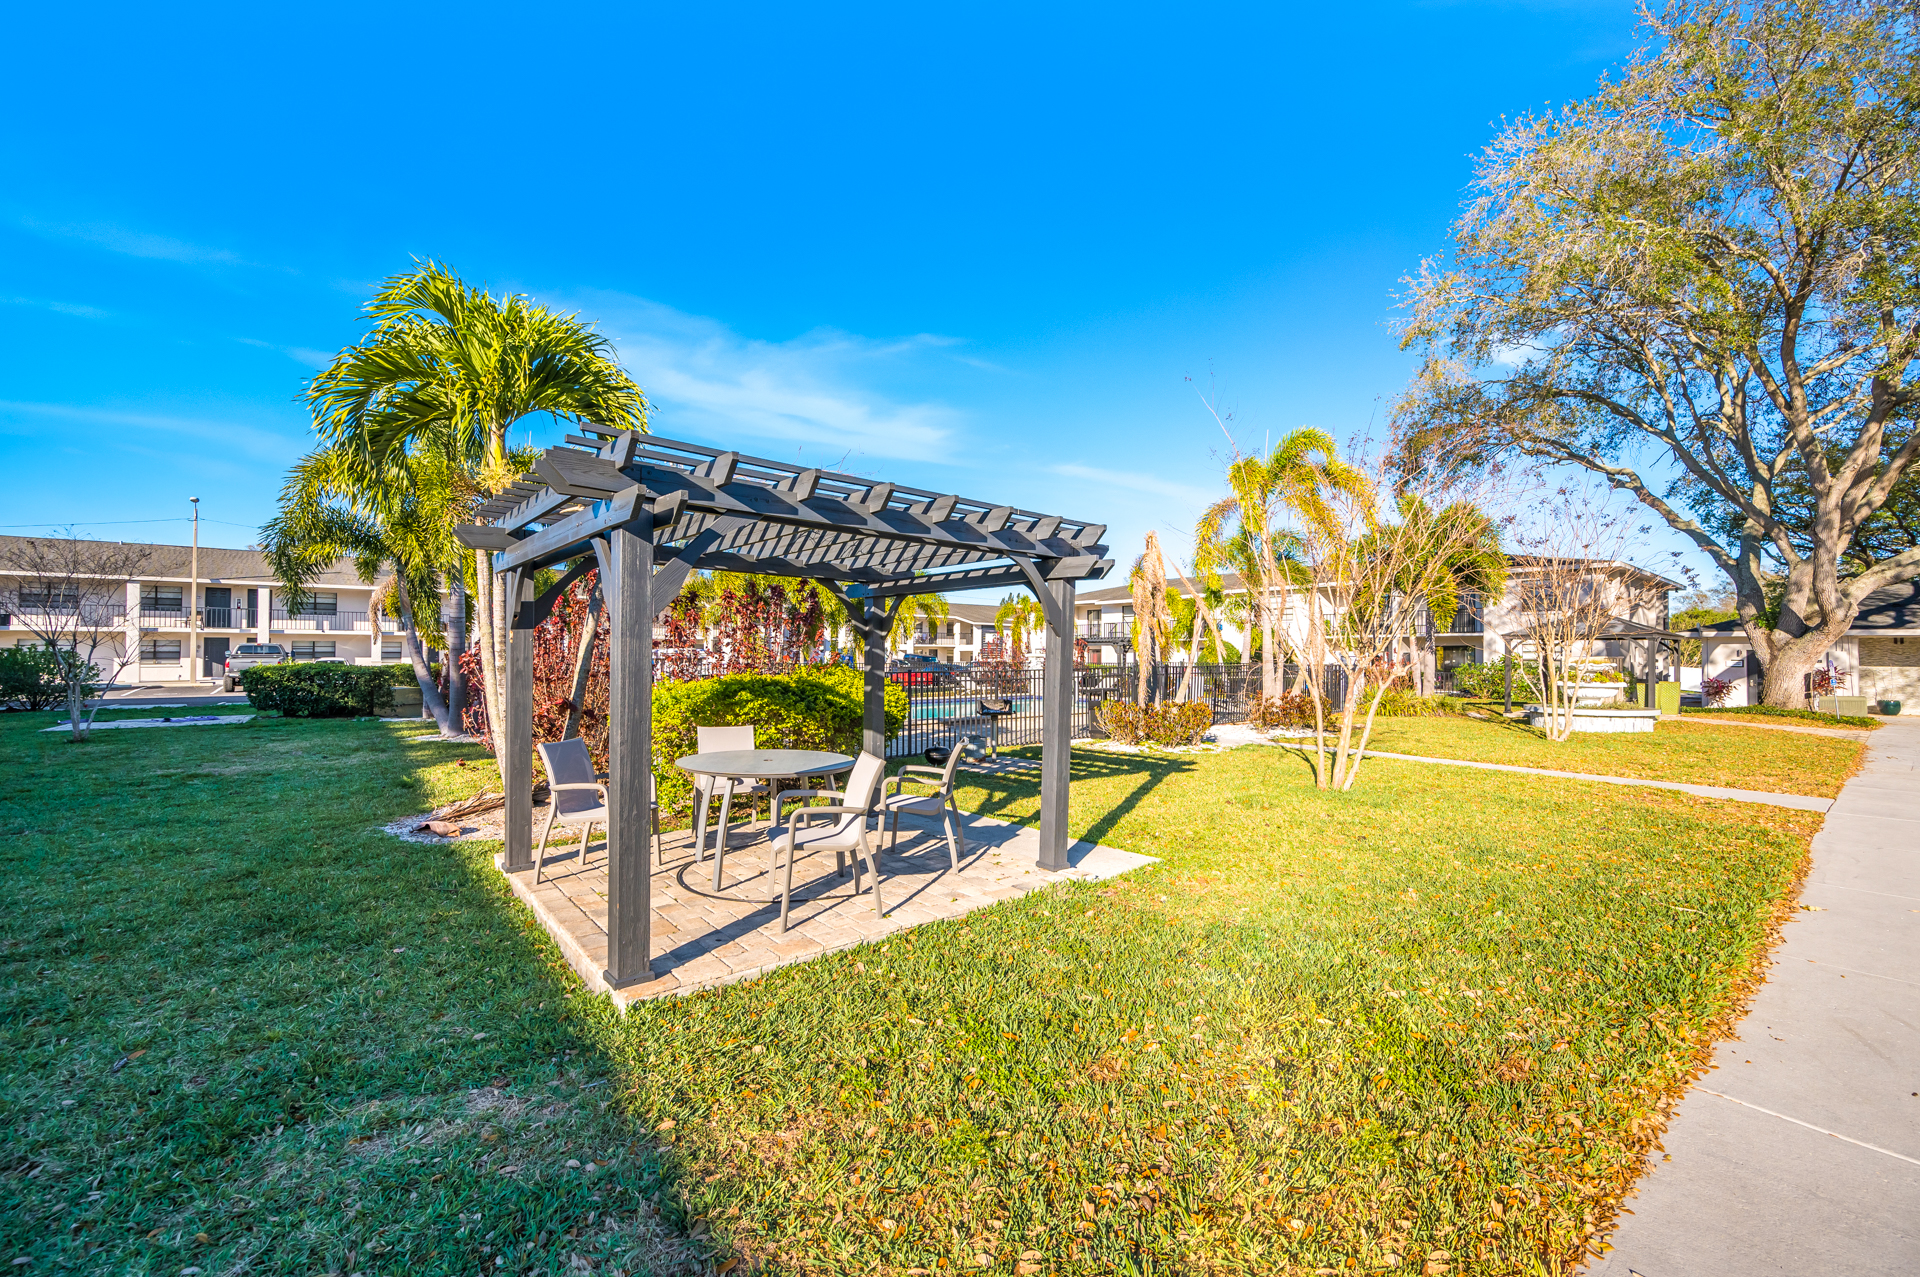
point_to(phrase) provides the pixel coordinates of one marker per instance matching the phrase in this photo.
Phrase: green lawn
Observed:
(1435, 1019)
(1681, 750)
(244, 1031)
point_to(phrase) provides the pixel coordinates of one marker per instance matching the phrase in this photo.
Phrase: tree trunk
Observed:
(583, 665)
(416, 655)
(1785, 676)
(77, 724)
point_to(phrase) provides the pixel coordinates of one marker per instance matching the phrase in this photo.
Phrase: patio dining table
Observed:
(753, 764)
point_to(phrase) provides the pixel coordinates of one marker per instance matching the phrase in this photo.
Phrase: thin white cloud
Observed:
(119, 239)
(299, 354)
(60, 307)
(814, 390)
(1135, 482)
(251, 440)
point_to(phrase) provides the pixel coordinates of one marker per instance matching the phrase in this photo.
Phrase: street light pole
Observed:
(193, 597)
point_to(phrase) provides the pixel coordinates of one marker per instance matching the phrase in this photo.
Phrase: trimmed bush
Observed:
(1813, 717)
(1179, 723)
(1295, 709)
(1488, 682)
(31, 678)
(322, 690)
(815, 707)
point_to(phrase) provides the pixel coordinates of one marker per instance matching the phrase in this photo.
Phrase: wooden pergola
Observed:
(647, 512)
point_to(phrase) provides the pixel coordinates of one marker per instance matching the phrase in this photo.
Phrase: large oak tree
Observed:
(1703, 283)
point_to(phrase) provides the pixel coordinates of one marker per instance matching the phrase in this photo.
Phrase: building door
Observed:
(219, 605)
(216, 654)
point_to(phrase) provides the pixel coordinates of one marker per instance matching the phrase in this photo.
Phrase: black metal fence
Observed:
(1003, 706)
(997, 704)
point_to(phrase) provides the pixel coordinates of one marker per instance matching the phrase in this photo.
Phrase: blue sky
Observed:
(998, 251)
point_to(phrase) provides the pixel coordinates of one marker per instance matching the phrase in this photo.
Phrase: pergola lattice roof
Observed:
(726, 511)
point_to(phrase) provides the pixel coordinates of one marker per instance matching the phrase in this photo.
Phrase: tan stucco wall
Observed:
(1890, 669)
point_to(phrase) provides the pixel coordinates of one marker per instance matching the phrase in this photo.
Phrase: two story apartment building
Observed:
(159, 609)
(1479, 631)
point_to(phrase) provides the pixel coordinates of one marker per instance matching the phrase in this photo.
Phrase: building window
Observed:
(161, 598)
(160, 651)
(44, 595)
(317, 605)
(390, 650)
(312, 651)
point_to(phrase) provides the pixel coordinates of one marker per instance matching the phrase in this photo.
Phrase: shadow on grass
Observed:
(259, 1033)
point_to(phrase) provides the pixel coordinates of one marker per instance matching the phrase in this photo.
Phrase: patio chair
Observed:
(848, 835)
(713, 740)
(578, 796)
(941, 803)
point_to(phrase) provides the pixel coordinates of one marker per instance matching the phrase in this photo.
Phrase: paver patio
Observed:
(703, 938)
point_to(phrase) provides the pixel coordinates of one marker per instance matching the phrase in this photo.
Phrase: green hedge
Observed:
(1814, 717)
(816, 707)
(322, 690)
(32, 678)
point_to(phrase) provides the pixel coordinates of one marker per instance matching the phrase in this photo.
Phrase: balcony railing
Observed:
(1466, 620)
(322, 623)
(91, 614)
(1104, 630)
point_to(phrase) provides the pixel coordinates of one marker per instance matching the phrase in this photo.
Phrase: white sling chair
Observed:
(941, 802)
(578, 796)
(713, 740)
(846, 836)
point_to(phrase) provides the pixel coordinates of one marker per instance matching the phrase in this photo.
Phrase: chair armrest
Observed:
(581, 785)
(941, 772)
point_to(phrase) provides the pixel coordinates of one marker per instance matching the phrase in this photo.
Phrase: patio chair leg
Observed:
(720, 840)
(893, 823)
(540, 856)
(879, 907)
(953, 843)
(659, 850)
(586, 835)
(959, 834)
(786, 891)
(706, 798)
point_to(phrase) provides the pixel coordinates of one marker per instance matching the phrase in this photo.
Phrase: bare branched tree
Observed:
(71, 595)
(1376, 569)
(1570, 585)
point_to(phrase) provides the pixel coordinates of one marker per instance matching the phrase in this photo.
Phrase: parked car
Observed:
(248, 655)
(920, 672)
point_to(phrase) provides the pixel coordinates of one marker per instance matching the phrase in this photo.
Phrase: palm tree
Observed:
(914, 608)
(394, 517)
(449, 369)
(1151, 620)
(1463, 556)
(1241, 530)
(1018, 616)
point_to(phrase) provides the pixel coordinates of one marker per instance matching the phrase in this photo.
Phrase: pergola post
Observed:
(513, 739)
(875, 621)
(1056, 728)
(626, 562)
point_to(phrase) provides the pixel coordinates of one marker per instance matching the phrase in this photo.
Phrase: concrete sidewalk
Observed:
(1801, 802)
(1799, 1153)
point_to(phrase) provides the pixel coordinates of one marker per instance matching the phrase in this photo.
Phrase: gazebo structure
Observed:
(1616, 630)
(647, 512)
